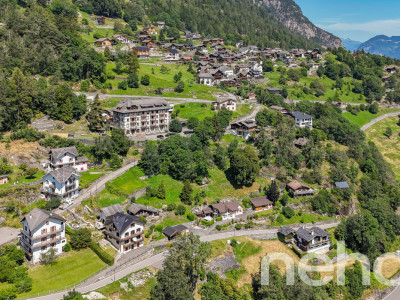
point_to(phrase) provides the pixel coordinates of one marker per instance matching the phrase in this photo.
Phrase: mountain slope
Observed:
(382, 45)
(351, 45)
(233, 20)
(291, 15)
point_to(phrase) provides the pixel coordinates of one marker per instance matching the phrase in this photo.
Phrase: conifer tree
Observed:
(186, 194)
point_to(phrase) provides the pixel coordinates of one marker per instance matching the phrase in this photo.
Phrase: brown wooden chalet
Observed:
(296, 188)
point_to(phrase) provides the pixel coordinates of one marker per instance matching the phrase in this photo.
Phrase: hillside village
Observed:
(192, 143)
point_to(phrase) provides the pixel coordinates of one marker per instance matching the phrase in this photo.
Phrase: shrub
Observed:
(143, 219)
(280, 218)
(218, 227)
(207, 223)
(180, 210)
(219, 218)
(238, 226)
(234, 243)
(69, 230)
(190, 216)
(171, 207)
(288, 212)
(28, 134)
(67, 247)
(159, 228)
(104, 256)
(81, 239)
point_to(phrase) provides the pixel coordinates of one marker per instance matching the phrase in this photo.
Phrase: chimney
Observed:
(30, 216)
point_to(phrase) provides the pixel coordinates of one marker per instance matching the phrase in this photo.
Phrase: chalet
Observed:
(103, 42)
(296, 188)
(280, 109)
(314, 239)
(160, 25)
(302, 120)
(141, 210)
(206, 41)
(148, 43)
(122, 38)
(150, 30)
(99, 20)
(286, 234)
(107, 212)
(172, 55)
(229, 104)
(67, 157)
(142, 52)
(143, 37)
(62, 183)
(261, 203)
(244, 129)
(206, 79)
(125, 232)
(3, 179)
(41, 231)
(274, 90)
(251, 96)
(342, 185)
(186, 59)
(227, 210)
(172, 231)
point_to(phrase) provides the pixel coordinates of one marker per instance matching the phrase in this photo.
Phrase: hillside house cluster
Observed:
(42, 230)
(62, 178)
(309, 240)
(142, 116)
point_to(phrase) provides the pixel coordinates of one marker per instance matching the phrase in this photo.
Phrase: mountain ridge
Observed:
(382, 45)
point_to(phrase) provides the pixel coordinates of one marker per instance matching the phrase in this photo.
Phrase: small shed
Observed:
(261, 203)
(171, 231)
(109, 211)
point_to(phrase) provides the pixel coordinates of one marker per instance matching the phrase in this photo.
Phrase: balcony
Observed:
(68, 184)
(135, 242)
(27, 252)
(42, 235)
(112, 235)
(47, 242)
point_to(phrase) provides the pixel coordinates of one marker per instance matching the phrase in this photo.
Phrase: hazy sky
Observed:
(356, 19)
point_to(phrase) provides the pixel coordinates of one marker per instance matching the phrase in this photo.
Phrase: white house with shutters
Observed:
(67, 157)
(62, 183)
(41, 231)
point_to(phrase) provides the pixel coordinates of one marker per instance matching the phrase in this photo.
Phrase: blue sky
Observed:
(356, 19)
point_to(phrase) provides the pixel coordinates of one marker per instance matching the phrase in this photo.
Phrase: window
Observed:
(44, 231)
(47, 222)
(44, 248)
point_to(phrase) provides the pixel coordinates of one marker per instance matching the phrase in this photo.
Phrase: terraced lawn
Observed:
(364, 117)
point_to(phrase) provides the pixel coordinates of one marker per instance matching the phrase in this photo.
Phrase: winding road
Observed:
(378, 119)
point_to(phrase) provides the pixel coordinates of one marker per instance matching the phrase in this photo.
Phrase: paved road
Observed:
(98, 185)
(8, 234)
(159, 258)
(378, 119)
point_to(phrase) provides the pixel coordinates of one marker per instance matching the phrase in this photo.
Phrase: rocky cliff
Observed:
(290, 14)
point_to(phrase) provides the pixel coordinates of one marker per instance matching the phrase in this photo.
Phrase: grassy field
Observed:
(68, 270)
(114, 290)
(389, 147)
(88, 177)
(364, 117)
(197, 110)
(164, 81)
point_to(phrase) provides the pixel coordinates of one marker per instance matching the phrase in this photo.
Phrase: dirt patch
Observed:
(20, 152)
(252, 263)
(223, 264)
(390, 267)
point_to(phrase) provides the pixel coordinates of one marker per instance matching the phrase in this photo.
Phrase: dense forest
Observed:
(232, 20)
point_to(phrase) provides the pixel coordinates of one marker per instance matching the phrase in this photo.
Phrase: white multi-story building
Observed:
(144, 116)
(41, 231)
(302, 120)
(67, 157)
(229, 104)
(125, 232)
(62, 183)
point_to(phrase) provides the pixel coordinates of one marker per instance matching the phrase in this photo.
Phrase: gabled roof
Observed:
(295, 185)
(300, 115)
(170, 231)
(63, 174)
(112, 210)
(261, 201)
(37, 216)
(342, 185)
(309, 234)
(129, 105)
(226, 206)
(122, 221)
(136, 207)
(57, 152)
(286, 230)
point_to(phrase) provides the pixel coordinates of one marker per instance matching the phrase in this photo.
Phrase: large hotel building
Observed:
(143, 116)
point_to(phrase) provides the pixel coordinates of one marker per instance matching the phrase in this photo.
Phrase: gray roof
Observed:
(205, 75)
(112, 210)
(4, 176)
(122, 221)
(135, 208)
(57, 152)
(129, 105)
(309, 234)
(300, 115)
(342, 185)
(286, 230)
(170, 231)
(81, 159)
(37, 216)
(62, 174)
